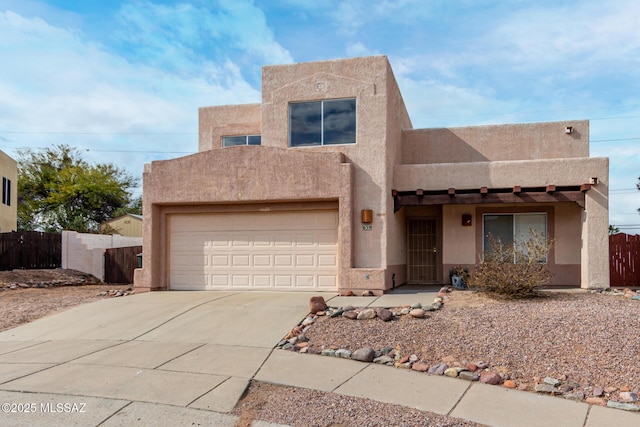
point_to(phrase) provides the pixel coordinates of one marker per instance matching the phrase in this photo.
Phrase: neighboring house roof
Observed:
(136, 216)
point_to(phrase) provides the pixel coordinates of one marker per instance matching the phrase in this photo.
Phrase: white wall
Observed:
(85, 252)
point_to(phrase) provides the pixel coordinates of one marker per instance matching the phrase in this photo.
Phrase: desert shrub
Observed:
(513, 271)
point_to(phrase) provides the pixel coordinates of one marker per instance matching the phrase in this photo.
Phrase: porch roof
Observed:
(515, 194)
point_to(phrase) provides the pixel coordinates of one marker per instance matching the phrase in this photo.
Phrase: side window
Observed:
(230, 141)
(329, 122)
(6, 191)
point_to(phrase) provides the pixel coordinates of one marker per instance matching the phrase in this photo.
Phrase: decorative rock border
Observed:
(296, 340)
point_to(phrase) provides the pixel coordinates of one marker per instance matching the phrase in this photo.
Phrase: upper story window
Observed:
(230, 141)
(328, 122)
(6, 191)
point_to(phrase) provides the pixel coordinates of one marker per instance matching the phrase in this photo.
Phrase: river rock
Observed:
(365, 354)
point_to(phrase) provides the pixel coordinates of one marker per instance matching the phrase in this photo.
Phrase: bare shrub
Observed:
(513, 271)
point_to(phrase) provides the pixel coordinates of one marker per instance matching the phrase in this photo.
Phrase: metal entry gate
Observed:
(422, 250)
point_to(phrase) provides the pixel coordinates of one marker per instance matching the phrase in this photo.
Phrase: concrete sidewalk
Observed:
(187, 357)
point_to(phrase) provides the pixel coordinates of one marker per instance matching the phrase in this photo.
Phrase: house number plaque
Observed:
(367, 227)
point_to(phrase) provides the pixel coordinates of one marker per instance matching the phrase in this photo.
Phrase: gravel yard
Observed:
(586, 341)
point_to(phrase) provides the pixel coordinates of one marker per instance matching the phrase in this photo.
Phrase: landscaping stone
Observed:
(624, 406)
(598, 392)
(438, 369)
(417, 313)
(420, 367)
(383, 360)
(596, 401)
(317, 304)
(385, 315)
(452, 372)
(365, 354)
(468, 375)
(578, 397)
(551, 381)
(416, 305)
(328, 352)
(509, 384)
(350, 315)
(343, 353)
(546, 388)
(489, 377)
(628, 397)
(366, 314)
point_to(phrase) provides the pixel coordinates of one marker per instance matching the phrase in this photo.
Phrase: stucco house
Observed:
(325, 185)
(9, 194)
(129, 225)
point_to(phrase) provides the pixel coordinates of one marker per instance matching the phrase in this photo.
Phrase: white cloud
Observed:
(359, 49)
(56, 79)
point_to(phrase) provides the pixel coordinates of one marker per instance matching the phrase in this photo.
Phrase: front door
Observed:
(422, 250)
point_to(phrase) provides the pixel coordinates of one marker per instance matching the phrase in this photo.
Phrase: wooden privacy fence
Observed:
(30, 250)
(119, 264)
(624, 258)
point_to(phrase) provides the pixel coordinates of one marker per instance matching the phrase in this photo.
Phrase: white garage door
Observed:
(259, 250)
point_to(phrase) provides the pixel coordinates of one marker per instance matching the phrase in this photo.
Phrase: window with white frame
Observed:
(512, 229)
(6, 191)
(328, 122)
(231, 141)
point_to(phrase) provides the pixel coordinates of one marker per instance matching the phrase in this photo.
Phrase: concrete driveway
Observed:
(175, 356)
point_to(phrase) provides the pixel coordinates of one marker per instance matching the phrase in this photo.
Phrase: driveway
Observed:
(173, 356)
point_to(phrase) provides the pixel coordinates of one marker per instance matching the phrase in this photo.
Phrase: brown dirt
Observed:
(62, 289)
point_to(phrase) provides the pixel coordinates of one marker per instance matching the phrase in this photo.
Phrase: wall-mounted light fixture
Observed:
(366, 216)
(568, 129)
(594, 180)
(466, 220)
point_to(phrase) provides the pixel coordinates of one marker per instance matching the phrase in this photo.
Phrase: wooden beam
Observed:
(451, 192)
(551, 188)
(517, 189)
(419, 192)
(484, 190)
(585, 187)
(394, 193)
(476, 198)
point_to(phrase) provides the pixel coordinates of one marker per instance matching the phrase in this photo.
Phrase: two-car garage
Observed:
(286, 250)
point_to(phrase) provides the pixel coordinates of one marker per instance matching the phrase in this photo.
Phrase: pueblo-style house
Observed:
(326, 186)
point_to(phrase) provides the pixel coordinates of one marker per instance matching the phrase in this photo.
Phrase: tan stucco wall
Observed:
(365, 80)
(9, 214)
(227, 120)
(591, 223)
(243, 178)
(529, 141)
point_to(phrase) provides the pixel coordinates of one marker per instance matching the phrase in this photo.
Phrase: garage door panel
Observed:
(219, 261)
(240, 280)
(327, 282)
(304, 281)
(292, 250)
(261, 280)
(283, 261)
(307, 260)
(326, 260)
(240, 261)
(261, 261)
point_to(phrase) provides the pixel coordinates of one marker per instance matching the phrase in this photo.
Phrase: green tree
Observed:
(58, 190)
(613, 230)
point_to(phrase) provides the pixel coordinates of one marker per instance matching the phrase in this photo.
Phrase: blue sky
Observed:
(122, 80)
